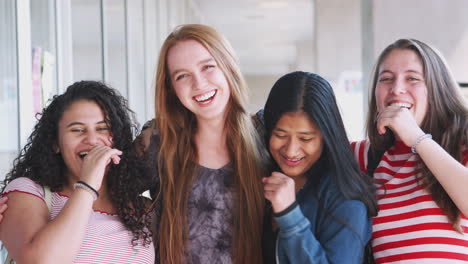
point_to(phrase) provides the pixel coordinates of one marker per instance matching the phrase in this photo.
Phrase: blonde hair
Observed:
(177, 127)
(446, 109)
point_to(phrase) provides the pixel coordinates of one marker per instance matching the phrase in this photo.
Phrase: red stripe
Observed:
(465, 157)
(413, 228)
(400, 185)
(362, 164)
(353, 145)
(423, 255)
(402, 193)
(13, 191)
(419, 199)
(409, 215)
(399, 163)
(401, 175)
(399, 148)
(421, 241)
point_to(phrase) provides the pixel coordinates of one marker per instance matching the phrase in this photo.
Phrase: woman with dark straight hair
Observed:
(321, 203)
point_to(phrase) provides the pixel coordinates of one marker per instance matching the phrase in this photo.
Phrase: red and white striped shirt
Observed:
(410, 227)
(106, 240)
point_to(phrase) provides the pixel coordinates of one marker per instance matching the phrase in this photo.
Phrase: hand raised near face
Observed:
(279, 190)
(401, 122)
(95, 164)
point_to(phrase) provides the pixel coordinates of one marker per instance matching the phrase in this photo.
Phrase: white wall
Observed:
(443, 24)
(259, 87)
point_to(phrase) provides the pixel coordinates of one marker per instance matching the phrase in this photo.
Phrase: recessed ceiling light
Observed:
(273, 4)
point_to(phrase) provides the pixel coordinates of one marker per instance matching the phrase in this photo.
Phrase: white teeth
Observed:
(84, 153)
(294, 159)
(205, 97)
(401, 105)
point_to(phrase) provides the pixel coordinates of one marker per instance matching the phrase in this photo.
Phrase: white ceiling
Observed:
(264, 33)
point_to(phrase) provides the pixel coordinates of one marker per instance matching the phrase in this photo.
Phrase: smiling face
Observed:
(295, 143)
(401, 83)
(197, 79)
(81, 128)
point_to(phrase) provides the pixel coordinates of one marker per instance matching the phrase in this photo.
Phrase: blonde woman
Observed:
(204, 153)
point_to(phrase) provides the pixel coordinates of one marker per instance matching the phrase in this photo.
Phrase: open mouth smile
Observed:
(83, 154)
(205, 98)
(401, 105)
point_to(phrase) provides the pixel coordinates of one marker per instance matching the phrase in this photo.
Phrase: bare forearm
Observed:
(451, 174)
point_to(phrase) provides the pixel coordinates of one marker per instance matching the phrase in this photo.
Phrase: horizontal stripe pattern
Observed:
(410, 227)
(106, 240)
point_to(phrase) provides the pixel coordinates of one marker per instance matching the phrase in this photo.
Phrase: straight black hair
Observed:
(313, 95)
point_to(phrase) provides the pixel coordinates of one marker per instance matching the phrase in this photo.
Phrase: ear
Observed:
(56, 149)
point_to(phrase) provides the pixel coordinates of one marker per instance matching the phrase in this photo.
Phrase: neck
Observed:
(210, 139)
(299, 182)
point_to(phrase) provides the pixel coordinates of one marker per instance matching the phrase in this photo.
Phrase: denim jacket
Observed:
(321, 227)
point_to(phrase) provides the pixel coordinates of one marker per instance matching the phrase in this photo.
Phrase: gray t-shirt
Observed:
(210, 212)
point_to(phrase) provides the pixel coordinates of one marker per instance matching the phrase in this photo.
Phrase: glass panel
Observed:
(9, 140)
(87, 41)
(44, 70)
(136, 59)
(115, 59)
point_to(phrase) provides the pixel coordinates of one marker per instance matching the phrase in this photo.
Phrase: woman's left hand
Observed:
(279, 190)
(401, 122)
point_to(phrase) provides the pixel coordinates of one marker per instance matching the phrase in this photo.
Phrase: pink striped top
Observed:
(410, 227)
(106, 241)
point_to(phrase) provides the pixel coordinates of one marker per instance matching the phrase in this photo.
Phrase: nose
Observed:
(92, 138)
(198, 81)
(292, 148)
(399, 87)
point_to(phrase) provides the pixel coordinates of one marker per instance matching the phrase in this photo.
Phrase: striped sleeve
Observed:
(25, 185)
(360, 149)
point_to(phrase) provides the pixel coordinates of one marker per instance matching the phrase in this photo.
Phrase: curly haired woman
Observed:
(81, 149)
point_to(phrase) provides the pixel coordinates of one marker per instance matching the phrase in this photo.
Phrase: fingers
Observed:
(279, 189)
(276, 184)
(95, 164)
(276, 181)
(390, 117)
(3, 206)
(104, 154)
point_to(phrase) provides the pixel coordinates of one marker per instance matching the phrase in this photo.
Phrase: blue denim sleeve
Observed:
(337, 241)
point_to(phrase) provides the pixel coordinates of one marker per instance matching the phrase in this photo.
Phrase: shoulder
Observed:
(332, 198)
(334, 201)
(258, 122)
(143, 141)
(355, 217)
(25, 185)
(351, 209)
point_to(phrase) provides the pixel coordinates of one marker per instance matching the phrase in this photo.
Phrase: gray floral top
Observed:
(210, 212)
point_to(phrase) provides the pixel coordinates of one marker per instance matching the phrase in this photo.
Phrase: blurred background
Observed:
(45, 45)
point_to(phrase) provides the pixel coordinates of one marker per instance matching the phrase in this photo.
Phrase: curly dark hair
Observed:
(126, 181)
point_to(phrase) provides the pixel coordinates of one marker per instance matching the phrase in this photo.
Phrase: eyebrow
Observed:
(81, 124)
(410, 71)
(302, 133)
(199, 63)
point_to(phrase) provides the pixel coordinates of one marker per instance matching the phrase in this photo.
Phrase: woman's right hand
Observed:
(279, 190)
(95, 164)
